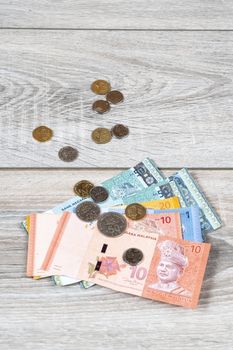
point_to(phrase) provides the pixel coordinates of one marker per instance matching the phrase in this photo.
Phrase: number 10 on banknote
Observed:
(157, 267)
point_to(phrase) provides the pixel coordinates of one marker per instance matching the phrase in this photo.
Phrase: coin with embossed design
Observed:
(111, 224)
(135, 211)
(42, 133)
(99, 194)
(115, 97)
(100, 87)
(68, 154)
(133, 256)
(88, 211)
(101, 135)
(101, 106)
(83, 188)
(120, 131)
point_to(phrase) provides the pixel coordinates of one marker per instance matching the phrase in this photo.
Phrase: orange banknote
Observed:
(158, 267)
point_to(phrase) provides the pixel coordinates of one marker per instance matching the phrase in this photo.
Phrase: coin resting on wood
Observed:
(68, 154)
(101, 135)
(100, 87)
(120, 131)
(101, 106)
(42, 133)
(115, 97)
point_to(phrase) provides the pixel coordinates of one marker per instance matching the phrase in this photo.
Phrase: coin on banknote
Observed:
(120, 131)
(42, 133)
(101, 106)
(115, 97)
(133, 256)
(100, 87)
(83, 188)
(111, 224)
(99, 194)
(101, 135)
(135, 211)
(88, 211)
(68, 154)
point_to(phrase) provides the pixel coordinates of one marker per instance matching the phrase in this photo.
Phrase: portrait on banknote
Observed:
(170, 268)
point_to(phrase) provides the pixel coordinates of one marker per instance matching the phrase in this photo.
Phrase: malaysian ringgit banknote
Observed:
(127, 183)
(190, 220)
(68, 246)
(150, 265)
(171, 202)
(72, 237)
(193, 195)
(41, 231)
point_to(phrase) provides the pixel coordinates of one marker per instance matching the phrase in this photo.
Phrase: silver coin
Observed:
(68, 154)
(88, 211)
(111, 224)
(133, 256)
(99, 194)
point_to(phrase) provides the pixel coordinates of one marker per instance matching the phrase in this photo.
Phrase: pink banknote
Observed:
(153, 266)
(68, 246)
(41, 232)
(72, 237)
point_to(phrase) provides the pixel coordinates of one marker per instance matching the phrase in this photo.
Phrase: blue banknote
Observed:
(161, 190)
(126, 184)
(193, 195)
(190, 221)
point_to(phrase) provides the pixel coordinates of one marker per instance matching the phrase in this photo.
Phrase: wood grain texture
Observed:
(38, 315)
(108, 14)
(177, 86)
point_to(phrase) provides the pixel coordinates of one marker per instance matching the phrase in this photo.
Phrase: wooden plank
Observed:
(177, 86)
(108, 14)
(39, 315)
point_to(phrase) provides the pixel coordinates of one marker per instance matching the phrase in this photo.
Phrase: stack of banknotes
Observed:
(162, 256)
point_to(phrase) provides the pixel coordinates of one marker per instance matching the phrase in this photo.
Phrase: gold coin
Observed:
(115, 97)
(42, 133)
(83, 188)
(101, 106)
(101, 135)
(100, 87)
(135, 211)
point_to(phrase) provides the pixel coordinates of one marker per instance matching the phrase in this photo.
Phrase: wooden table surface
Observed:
(173, 60)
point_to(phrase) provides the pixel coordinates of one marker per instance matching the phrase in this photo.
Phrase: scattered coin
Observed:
(115, 97)
(100, 87)
(120, 131)
(111, 224)
(83, 188)
(88, 211)
(133, 256)
(101, 135)
(42, 133)
(135, 211)
(68, 154)
(99, 194)
(101, 106)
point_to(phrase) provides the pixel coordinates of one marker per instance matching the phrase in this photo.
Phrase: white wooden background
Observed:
(173, 62)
